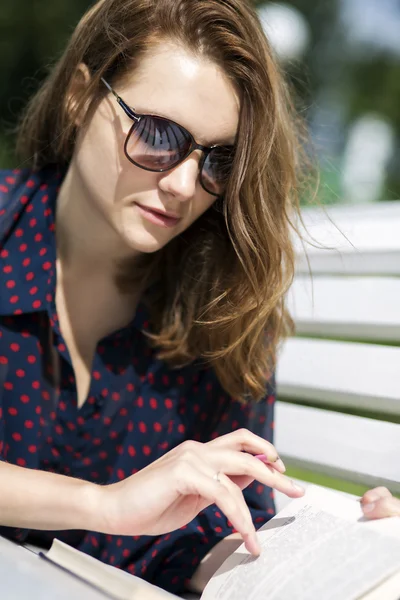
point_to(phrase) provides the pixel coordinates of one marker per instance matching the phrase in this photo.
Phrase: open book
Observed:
(318, 548)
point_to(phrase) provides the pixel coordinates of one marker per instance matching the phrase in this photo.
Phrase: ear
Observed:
(78, 85)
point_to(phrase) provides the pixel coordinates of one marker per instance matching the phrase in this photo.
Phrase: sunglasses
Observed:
(158, 144)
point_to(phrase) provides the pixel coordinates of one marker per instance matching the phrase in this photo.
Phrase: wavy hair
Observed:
(219, 293)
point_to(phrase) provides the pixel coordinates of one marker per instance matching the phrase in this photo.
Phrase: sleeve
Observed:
(180, 552)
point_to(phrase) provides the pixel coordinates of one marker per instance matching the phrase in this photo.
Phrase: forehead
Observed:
(193, 91)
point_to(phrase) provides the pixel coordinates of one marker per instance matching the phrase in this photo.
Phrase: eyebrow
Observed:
(221, 141)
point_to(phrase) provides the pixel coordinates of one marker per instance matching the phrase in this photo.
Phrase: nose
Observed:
(181, 181)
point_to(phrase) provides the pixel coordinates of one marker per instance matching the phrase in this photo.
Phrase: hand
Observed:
(171, 491)
(379, 503)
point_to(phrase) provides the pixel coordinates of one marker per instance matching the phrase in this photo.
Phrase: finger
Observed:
(241, 463)
(200, 462)
(375, 494)
(195, 481)
(384, 507)
(246, 441)
(251, 541)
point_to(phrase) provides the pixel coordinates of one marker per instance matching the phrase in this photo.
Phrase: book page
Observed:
(117, 583)
(319, 546)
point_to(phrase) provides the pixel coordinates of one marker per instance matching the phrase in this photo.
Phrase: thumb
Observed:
(384, 507)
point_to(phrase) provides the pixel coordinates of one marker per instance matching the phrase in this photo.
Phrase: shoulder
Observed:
(12, 185)
(18, 189)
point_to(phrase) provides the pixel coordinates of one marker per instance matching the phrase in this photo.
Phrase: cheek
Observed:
(97, 161)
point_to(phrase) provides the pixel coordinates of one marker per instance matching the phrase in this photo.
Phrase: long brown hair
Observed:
(220, 286)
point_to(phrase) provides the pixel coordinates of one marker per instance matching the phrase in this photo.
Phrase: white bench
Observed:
(346, 355)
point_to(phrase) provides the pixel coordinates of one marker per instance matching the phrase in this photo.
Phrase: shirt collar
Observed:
(28, 252)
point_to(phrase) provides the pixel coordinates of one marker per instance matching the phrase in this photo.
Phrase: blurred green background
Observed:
(342, 56)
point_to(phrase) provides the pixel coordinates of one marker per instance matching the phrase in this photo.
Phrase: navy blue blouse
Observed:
(137, 408)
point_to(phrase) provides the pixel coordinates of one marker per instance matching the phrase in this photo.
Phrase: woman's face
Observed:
(172, 83)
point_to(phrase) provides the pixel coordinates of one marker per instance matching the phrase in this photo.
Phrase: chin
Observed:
(144, 244)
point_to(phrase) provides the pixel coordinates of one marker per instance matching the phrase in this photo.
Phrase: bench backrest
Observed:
(346, 355)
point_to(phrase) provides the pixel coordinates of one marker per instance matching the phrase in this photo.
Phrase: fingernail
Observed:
(372, 498)
(279, 463)
(298, 488)
(367, 508)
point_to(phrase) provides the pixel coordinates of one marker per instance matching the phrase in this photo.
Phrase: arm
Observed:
(39, 500)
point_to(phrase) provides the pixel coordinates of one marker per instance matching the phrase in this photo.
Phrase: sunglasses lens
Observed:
(157, 144)
(216, 169)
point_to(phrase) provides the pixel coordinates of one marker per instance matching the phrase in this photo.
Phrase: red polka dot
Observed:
(157, 427)
(14, 347)
(168, 403)
(12, 411)
(120, 474)
(32, 449)
(14, 299)
(131, 451)
(142, 427)
(46, 266)
(20, 373)
(17, 437)
(3, 360)
(8, 269)
(28, 424)
(153, 403)
(21, 462)
(23, 247)
(24, 398)
(146, 450)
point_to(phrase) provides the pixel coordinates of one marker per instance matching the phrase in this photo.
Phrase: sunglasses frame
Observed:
(137, 117)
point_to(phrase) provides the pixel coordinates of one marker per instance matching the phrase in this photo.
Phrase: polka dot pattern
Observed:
(137, 409)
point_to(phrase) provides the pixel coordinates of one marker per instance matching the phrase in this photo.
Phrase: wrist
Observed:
(90, 507)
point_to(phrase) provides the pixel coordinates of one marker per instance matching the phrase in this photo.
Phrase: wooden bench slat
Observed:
(363, 376)
(364, 239)
(351, 307)
(361, 450)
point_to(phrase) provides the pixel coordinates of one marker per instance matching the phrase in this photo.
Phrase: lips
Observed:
(158, 217)
(162, 213)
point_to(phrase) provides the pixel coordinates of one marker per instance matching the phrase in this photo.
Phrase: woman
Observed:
(144, 269)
